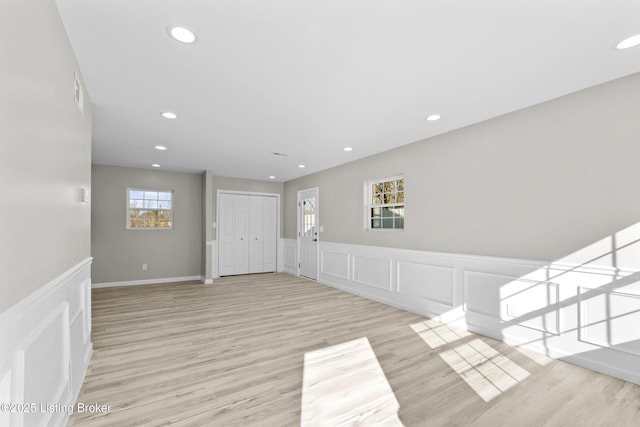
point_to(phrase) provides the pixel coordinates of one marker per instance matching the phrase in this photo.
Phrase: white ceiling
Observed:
(309, 77)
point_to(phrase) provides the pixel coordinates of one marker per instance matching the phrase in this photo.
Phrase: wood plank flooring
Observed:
(232, 354)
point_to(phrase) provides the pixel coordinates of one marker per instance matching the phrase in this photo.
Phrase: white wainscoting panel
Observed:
(430, 282)
(45, 348)
(610, 319)
(335, 264)
(5, 394)
(481, 293)
(212, 245)
(529, 303)
(374, 272)
(51, 337)
(290, 256)
(280, 256)
(534, 304)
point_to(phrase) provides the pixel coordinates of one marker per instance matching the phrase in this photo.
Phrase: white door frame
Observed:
(215, 265)
(299, 228)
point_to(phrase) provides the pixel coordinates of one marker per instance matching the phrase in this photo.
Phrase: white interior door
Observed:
(308, 232)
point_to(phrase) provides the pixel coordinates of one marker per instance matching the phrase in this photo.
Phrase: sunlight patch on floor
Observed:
(484, 369)
(488, 372)
(437, 334)
(344, 385)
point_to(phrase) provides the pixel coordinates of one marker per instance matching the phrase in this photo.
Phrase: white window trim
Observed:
(128, 208)
(368, 205)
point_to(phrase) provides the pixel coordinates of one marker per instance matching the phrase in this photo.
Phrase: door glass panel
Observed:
(309, 217)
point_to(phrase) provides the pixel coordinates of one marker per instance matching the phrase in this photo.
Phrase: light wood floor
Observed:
(232, 354)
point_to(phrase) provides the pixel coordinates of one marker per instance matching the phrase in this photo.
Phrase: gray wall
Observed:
(45, 151)
(119, 253)
(535, 184)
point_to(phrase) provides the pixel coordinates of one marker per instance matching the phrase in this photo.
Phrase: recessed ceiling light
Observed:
(160, 147)
(155, 165)
(348, 149)
(629, 42)
(301, 166)
(433, 117)
(169, 115)
(272, 177)
(182, 34)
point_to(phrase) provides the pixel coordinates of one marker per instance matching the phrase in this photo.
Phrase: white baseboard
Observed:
(546, 307)
(46, 347)
(206, 281)
(146, 282)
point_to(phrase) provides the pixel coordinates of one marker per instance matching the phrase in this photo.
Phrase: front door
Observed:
(308, 232)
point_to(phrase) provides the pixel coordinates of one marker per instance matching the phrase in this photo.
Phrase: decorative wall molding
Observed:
(290, 256)
(375, 272)
(212, 248)
(46, 347)
(535, 304)
(610, 319)
(146, 282)
(280, 255)
(413, 279)
(335, 264)
(214, 259)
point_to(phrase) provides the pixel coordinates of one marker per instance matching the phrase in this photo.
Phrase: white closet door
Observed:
(270, 235)
(256, 252)
(241, 255)
(226, 234)
(247, 233)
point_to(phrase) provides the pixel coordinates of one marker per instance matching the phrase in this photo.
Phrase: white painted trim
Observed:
(215, 273)
(43, 329)
(280, 255)
(206, 281)
(42, 293)
(592, 269)
(146, 282)
(543, 319)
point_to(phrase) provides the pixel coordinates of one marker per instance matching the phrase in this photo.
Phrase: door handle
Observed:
(315, 240)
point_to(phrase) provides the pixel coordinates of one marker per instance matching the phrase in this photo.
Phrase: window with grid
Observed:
(385, 204)
(149, 209)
